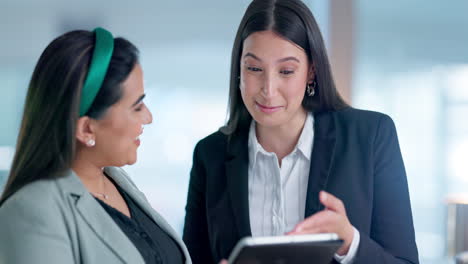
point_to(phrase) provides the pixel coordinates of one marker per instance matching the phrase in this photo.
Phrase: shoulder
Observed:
(361, 116)
(38, 200)
(44, 191)
(363, 119)
(215, 142)
(356, 124)
(36, 217)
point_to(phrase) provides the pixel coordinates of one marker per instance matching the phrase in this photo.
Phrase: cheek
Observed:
(121, 131)
(131, 129)
(250, 86)
(295, 91)
(299, 89)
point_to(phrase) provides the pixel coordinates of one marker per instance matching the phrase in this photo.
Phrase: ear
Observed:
(85, 130)
(311, 73)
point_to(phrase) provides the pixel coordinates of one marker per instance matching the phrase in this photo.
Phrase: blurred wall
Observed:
(411, 62)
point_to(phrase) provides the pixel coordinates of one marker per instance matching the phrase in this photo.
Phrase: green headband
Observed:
(103, 48)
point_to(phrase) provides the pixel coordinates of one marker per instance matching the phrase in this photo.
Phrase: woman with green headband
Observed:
(66, 199)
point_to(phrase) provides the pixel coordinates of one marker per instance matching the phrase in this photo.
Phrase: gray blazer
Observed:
(58, 221)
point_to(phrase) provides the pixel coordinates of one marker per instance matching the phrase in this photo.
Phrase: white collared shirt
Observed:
(277, 195)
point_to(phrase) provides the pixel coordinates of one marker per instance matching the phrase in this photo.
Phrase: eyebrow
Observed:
(248, 54)
(288, 59)
(251, 55)
(139, 100)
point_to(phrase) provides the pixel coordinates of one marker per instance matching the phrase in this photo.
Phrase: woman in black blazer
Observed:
(294, 158)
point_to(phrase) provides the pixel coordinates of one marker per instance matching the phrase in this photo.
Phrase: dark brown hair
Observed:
(292, 20)
(46, 143)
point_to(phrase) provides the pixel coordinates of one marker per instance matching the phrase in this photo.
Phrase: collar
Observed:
(304, 144)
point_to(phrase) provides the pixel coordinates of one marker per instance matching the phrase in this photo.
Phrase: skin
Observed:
(116, 136)
(274, 76)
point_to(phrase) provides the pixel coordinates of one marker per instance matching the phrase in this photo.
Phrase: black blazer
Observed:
(355, 156)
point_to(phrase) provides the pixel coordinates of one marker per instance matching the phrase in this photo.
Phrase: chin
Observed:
(269, 120)
(124, 162)
(132, 161)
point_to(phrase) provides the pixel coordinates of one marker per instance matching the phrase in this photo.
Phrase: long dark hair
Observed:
(292, 20)
(46, 143)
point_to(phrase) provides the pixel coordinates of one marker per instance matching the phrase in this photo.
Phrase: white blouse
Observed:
(277, 195)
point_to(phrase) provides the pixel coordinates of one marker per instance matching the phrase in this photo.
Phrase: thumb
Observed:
(331, 202)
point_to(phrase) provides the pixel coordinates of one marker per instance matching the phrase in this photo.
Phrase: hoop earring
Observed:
(311, 88)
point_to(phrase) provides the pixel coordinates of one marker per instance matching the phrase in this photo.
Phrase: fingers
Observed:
(317, 223)
(331, 202)
(331, 220)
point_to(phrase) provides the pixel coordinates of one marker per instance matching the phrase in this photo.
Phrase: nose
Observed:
(269, 89)
(148, 118)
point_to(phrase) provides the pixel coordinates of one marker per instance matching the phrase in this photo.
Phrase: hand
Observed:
(332, 219)
(223, 262)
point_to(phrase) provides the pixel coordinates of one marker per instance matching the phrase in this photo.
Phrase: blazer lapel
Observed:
(99, 220)
(139, 198)
(106, 229)
(323, 151)
(237, 165)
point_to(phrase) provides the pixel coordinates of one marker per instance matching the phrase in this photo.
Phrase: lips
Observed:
(268, 109)
(137, 140)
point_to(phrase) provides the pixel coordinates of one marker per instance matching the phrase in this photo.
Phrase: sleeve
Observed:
(349, 258)
(391, 238)
(33, 231)
(195, 233)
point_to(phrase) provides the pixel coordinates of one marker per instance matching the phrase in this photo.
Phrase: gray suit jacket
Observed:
(58, 221)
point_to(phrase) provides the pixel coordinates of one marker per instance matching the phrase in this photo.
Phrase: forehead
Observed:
(269, 44)
(133, 85)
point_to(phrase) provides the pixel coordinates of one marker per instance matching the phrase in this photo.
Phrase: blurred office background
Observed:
(408, 59)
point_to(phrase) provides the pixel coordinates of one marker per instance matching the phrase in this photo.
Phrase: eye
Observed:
(139, 107)
(287, 72)
(254, 69)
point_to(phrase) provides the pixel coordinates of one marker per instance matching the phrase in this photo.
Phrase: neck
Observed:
(89, 173)
(281, 139)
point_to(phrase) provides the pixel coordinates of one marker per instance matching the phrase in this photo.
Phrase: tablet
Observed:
(317, 249)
